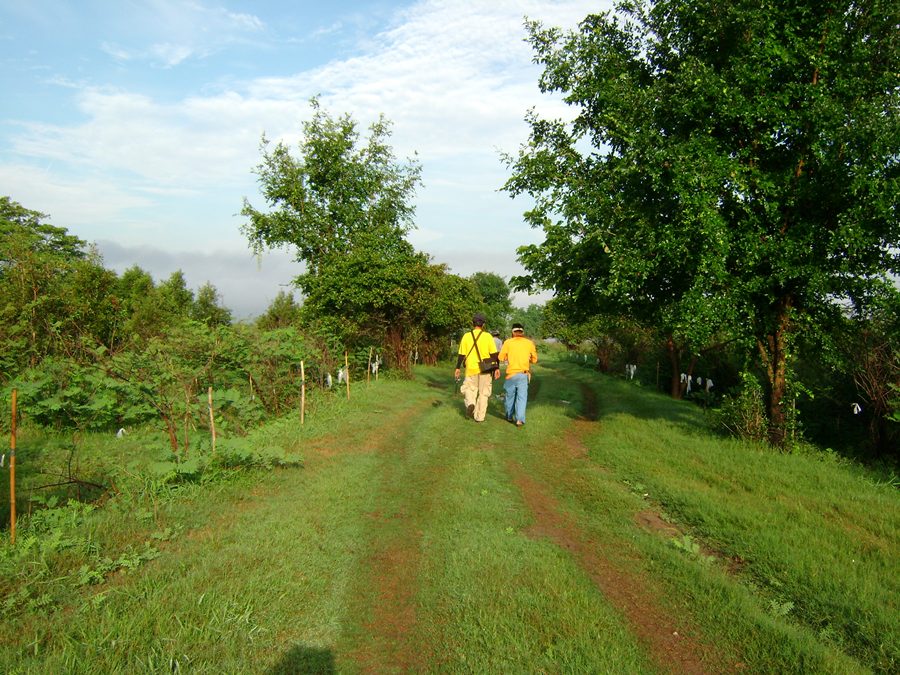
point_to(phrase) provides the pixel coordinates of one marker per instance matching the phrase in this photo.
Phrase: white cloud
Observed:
(170, 55)
(169, 32)
(68, 200)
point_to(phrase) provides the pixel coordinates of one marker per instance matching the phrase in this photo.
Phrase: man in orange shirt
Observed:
(520, 353)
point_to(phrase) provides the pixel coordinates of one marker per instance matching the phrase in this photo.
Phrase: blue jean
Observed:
(516, 396)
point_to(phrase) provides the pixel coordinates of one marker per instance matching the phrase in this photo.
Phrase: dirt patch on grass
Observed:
(652, 521)
(668, 639)
(387, 644)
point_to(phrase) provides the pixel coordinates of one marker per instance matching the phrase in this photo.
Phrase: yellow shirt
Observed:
(520, 352)
(486, 347)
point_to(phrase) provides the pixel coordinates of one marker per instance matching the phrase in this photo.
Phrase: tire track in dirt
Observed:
(392, 567)
(668, 639)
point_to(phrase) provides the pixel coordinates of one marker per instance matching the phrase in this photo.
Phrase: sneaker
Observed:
(520, 423)
(470, 410)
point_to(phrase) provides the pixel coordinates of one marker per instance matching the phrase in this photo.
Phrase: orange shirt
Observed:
(520, 352)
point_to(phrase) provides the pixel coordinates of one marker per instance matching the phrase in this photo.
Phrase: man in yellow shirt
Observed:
(474, 347)
(520, 353)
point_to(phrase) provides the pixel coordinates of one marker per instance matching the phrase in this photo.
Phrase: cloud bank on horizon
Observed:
(136, 125)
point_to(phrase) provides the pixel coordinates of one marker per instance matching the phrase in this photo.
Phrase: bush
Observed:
(742, 412)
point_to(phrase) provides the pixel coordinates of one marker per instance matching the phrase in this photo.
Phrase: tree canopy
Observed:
(345, 205)
(728, 164)
(496, 301)
(336, 194)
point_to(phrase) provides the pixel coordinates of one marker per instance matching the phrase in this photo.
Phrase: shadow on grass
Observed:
(302, 659)
(584, 393)
(603, 396)
(441, 379)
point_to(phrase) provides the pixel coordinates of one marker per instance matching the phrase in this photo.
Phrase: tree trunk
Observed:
(173, 434)
(774, 357)
(395, 344)
(675, 362)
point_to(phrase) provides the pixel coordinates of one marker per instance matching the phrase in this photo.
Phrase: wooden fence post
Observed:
(347, 373)
(302, 392)
(12, 473)
(212, 421)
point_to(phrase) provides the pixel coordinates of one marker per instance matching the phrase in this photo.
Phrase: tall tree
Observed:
(281, 313)
(208, 308)
(531, 318)
(742, 159)
(37, 260)
(496, 300)
(335, 195)
(345, 206)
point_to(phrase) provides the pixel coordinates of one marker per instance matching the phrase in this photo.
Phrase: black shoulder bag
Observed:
(487, 365)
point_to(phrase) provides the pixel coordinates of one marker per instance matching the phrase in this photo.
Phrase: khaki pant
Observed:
(476, 389)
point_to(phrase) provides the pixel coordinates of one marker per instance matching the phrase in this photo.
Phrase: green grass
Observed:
(406, 542)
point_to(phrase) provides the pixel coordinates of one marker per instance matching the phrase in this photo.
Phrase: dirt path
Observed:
(391, 569)
(669, 639)
(388, 637)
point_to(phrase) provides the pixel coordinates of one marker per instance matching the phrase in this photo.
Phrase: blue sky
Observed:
(136, 124)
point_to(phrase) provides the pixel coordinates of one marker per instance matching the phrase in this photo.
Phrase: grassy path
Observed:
(415, 540)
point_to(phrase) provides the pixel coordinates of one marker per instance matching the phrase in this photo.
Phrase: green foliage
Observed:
(64, 394)
(207, 308)
(345, 206)
(742, 412)
(532, 319)
(23, 229)
(728, 167)
(335, 194)
(282, 312)
(40, 570)
(234, 453)
(55, 296)
(496, 300)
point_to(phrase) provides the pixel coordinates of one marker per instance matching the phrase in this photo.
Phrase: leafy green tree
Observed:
(449, 300)
(496, 300)
(159, 307)
(134, 285)
(53, 292)
(531, 318)
(741, 162)
(22, 229)
(282, 312)
(89, 313)
(345, 206)
(335, 195)
(397, 300)
(208, 309)
(169, 373)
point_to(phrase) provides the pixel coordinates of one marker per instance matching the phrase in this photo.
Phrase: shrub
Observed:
(742, 412)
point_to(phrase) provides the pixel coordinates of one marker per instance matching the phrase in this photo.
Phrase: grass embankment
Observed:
(611, 534)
